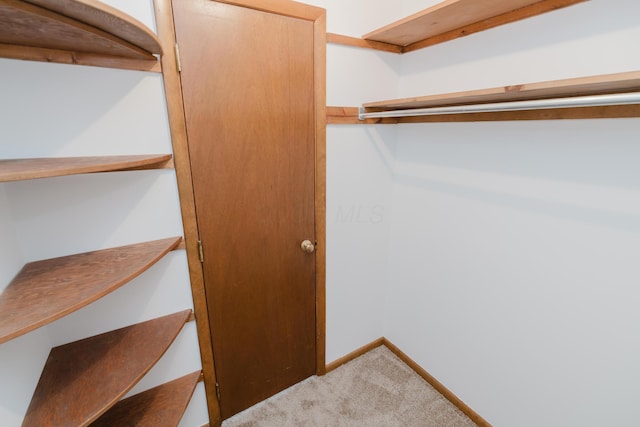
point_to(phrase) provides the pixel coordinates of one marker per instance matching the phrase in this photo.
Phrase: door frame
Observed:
(179, 140)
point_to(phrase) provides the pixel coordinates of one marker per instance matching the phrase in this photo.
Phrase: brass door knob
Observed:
(307, 246)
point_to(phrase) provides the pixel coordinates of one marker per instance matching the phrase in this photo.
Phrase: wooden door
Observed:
(251, 117)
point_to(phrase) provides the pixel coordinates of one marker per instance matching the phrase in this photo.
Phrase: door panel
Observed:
(247, 79)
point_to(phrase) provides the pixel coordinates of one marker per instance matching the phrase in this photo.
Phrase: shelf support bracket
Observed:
(361, 112)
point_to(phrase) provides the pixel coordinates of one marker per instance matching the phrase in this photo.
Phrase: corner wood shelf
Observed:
(452, 19)
(85, 32)
(161, 406)
(23, 169)
(82, 380)
(585, 86)
(44, 291)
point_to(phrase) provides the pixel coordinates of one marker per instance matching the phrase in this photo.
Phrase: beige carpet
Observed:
(374, 390)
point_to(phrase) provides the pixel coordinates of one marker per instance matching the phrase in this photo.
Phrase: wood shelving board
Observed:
(44, 291)
(75, 31)
(457, 18)
(22, 169)
(161, 406)
(593, 85)
(83, 379)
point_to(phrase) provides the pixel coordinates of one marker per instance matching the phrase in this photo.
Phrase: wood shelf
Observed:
(606, 84)
(76, 31)
(593, 85)
(452, 19)
(44, 291)
(82, 380)
(161, 406)
(23, 169)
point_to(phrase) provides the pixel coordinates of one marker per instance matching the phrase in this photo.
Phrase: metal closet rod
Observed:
(537, 104)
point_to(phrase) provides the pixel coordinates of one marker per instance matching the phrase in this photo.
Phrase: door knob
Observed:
(307, 246)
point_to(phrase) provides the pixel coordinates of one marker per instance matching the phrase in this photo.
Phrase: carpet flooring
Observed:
(376, 389)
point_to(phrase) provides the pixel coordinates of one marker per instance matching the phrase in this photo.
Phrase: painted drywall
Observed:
(409, 7)
(357, 17)
(10, 258)
(358, 181)
(61, 110)
(358, 203)
(514, 246)
(124, 114)
(358, 209)
(581, 40)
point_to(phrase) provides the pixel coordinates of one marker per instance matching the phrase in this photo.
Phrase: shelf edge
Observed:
(106, 18)
(41, 54)
(37, 168)
(591, 85)
(465, 28)
(73, 367)
(14, 321)
(135, 410)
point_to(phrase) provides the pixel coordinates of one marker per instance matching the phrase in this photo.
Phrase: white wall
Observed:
(357, 17)
(10, 260)
(358, 181)
(61, 110)
(358, 221)
(514, 246)
(358, 203)
(500, 256)
(581, 40)
(409, 7)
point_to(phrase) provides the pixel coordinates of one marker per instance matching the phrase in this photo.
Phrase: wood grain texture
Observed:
(492, 22)
(23, 169)
(177, 125)
(457, 15)
(320, 99)
(592, 85)
(440, 388)
(27, 25)
(106, 18)
(605, 112)
(75, 32)
(367, 44)
(252, 134)
(349, 115)
(161, 406)
(280, 7)
(82, 380)
(44, 291)
(77, 58)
